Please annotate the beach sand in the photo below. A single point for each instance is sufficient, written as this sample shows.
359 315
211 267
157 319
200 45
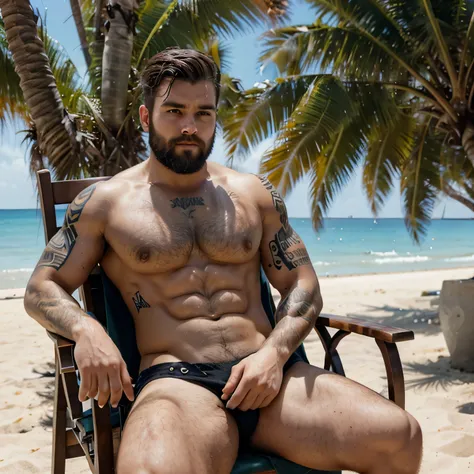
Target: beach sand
441 398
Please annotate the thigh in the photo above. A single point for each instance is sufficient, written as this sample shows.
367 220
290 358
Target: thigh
177 426
326 421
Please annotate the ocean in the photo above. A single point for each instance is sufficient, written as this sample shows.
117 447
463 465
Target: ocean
343 247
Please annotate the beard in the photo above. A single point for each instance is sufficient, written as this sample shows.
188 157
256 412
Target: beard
184 162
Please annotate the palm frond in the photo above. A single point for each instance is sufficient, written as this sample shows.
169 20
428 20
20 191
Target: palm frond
310 128
193 20
333 168
261 111
341 49
388 147
420 182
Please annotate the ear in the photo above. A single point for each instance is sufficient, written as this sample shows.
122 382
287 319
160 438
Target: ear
144 117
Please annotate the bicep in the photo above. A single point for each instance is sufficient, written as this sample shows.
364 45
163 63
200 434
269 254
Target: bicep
76 248
69 258
284 255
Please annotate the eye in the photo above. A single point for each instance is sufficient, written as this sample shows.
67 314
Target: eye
206 114
173 111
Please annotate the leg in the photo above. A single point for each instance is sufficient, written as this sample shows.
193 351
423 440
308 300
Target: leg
331 422
177 426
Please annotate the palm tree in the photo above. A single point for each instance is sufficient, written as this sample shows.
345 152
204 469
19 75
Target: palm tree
383 84
87 127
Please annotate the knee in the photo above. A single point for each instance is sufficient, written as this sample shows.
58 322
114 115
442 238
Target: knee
406 447
410 435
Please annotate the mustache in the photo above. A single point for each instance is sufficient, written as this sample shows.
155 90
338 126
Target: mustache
187 139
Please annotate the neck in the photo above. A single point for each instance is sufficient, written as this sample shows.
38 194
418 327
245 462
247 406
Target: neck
159 174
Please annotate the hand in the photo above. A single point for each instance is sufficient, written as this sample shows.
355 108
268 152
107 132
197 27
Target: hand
254 382
102 368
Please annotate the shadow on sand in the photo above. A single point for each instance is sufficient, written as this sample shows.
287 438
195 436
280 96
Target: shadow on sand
47 395
414 319
438 375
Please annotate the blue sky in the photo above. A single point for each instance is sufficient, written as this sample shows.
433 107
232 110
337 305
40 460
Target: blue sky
17 190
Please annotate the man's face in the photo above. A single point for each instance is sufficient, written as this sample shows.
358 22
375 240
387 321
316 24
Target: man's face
182 127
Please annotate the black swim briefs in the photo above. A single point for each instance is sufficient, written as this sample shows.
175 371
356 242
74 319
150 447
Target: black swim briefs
212 376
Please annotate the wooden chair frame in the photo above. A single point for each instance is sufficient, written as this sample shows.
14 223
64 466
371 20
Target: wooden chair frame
70 439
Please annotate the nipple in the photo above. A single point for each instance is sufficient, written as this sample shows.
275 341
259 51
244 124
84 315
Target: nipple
143 254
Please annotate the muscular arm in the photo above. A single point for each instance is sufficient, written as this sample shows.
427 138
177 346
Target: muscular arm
64 265
289 269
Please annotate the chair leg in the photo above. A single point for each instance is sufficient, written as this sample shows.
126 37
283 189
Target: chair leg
103 442
58 464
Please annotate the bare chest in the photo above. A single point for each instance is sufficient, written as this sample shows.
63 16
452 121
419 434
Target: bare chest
166 233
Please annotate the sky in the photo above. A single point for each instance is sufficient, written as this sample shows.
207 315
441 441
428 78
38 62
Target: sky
17 190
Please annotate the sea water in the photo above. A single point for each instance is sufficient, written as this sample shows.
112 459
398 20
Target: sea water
342 247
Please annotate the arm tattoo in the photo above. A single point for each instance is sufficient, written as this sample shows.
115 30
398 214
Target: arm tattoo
285 237
296 304
187 204
139 301
60 246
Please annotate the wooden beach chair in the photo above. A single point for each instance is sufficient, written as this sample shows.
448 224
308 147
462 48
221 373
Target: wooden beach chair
95 433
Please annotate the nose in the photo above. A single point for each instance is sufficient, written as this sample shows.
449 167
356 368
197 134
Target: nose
189 127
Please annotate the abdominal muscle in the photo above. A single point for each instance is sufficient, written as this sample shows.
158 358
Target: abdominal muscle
199 313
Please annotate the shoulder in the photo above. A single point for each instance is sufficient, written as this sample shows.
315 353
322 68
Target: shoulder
94 203
255 186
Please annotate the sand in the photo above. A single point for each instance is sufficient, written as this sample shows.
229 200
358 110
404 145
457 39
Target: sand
441 398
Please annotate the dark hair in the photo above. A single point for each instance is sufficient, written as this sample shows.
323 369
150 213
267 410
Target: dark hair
177 63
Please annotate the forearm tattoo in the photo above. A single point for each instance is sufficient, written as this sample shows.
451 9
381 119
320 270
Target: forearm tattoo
139 301
187 204
285 237
297 304
60 246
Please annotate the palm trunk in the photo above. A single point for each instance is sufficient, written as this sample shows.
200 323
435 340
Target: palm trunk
452 193
56 137
116 63
81 31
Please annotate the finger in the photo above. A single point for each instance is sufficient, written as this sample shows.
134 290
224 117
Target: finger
268 399
249 400
233 381
94 386
238 395
84 386
127 382
258 401
115 385
104 389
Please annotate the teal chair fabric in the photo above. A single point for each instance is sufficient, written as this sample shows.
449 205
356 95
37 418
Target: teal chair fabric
121 328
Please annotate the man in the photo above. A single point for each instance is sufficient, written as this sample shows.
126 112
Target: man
183 240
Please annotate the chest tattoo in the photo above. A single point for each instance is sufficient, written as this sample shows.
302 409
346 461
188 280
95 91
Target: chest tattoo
187 204
139 301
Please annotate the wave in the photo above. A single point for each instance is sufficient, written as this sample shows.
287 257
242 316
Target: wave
323 264
382 254
18 270
466 258
416 258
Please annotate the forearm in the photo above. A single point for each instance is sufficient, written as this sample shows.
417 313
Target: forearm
57 311
295 316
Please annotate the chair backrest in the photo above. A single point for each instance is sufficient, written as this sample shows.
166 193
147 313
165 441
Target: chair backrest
99 295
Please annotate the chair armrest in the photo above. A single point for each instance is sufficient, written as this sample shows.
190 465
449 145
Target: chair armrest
365 328
65 351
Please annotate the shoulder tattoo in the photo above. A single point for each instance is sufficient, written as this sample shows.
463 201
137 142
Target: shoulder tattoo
285 237
60 246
